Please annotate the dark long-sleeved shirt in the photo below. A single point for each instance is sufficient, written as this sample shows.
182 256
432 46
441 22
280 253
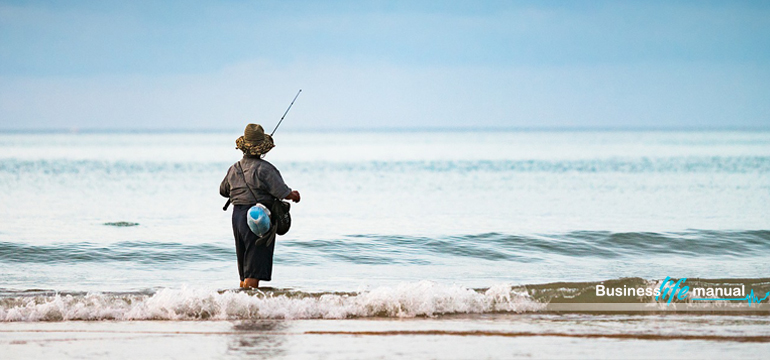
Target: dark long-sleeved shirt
263 178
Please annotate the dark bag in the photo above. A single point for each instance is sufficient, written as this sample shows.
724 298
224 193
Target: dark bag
280 216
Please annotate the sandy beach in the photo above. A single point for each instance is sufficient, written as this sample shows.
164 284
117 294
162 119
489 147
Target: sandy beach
528 336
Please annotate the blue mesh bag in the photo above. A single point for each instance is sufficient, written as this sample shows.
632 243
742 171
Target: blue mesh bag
258 219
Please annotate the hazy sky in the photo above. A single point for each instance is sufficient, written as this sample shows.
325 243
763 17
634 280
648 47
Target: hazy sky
384 64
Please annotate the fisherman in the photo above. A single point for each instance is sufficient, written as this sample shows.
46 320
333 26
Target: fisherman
263 181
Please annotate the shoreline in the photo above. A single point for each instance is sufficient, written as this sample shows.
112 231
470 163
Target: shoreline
452 337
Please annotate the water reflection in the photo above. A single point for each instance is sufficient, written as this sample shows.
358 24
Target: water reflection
261 339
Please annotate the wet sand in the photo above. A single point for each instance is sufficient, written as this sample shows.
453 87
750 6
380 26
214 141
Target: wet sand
531 336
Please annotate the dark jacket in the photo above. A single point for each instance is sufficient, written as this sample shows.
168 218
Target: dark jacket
265 181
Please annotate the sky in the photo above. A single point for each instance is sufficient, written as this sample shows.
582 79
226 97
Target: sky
217 65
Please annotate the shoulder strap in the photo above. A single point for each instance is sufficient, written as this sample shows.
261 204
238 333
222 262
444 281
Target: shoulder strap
266 238
243 176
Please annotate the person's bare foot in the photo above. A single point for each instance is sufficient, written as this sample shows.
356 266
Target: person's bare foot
251 283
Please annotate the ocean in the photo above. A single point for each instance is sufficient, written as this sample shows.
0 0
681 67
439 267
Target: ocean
453 244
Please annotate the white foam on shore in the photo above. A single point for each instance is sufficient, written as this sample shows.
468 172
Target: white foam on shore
406 300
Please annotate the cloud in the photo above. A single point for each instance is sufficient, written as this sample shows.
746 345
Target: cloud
203 65
380 95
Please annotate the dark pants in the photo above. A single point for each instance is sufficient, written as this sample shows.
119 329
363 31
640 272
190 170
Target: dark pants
254 261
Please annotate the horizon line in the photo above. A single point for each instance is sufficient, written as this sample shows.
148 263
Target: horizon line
76 130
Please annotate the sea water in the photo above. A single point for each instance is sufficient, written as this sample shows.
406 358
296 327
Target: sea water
129 226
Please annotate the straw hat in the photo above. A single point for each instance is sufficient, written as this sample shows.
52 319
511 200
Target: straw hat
254 141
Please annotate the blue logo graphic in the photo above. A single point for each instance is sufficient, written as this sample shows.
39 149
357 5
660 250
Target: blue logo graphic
669 292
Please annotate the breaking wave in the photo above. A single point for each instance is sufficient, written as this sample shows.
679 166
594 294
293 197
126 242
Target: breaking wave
404 301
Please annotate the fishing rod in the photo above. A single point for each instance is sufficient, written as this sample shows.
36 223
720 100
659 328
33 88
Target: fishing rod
227 204
287 111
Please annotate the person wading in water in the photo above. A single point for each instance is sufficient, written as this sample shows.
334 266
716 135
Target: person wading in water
248 178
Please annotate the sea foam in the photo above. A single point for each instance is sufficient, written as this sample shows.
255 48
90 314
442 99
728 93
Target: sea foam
406 300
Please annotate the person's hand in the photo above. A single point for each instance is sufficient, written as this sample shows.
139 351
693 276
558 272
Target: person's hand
293 196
